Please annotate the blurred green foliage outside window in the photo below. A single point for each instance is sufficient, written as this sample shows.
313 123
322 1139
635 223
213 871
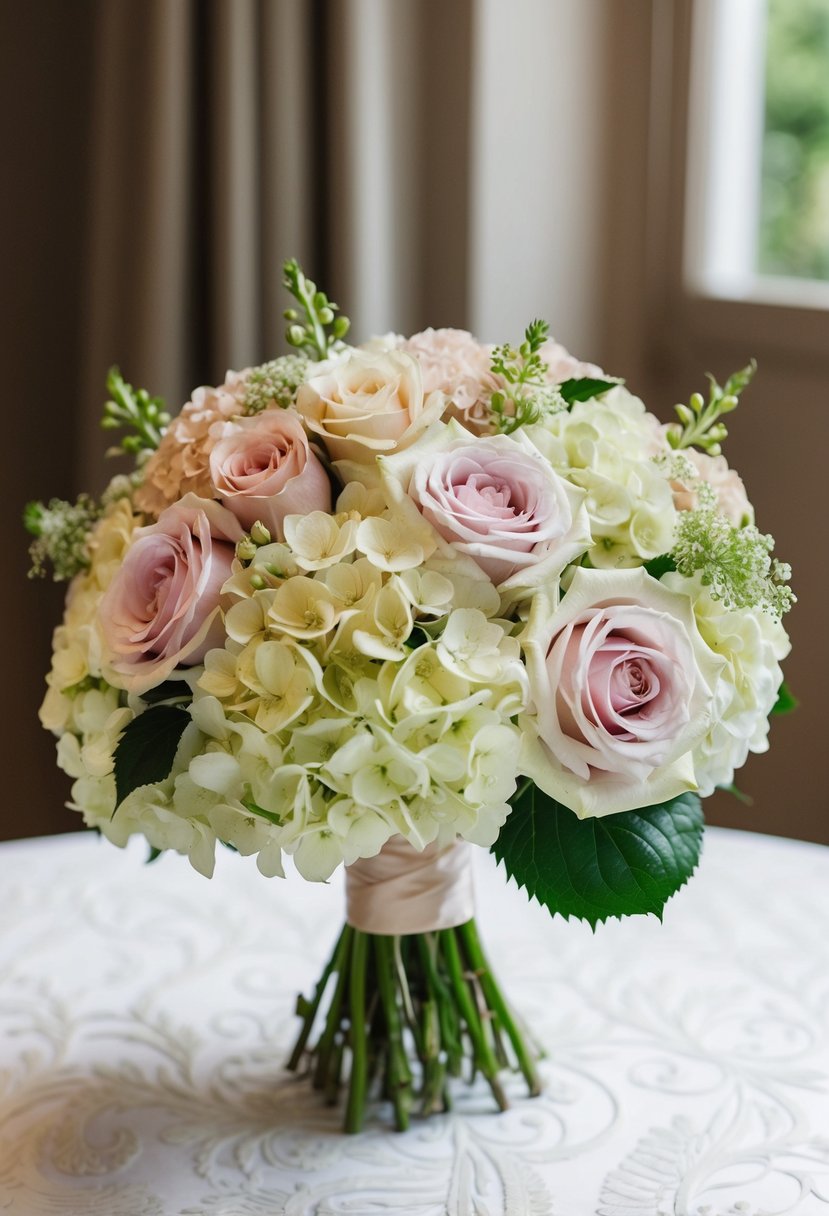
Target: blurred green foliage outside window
794 219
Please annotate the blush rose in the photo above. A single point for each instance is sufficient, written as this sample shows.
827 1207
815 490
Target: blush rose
452 361
161 610
496 500
622 687
265 470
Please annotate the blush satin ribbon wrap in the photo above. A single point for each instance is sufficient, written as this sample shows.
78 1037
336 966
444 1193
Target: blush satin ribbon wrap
403 891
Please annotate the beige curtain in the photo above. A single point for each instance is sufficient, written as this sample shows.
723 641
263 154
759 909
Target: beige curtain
228 135
173 154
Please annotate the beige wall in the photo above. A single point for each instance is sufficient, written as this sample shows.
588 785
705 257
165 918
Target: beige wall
664 338
539 178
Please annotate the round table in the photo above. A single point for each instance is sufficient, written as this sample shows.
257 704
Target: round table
145 1015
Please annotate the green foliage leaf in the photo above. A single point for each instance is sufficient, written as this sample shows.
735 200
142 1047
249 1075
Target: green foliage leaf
152 855
418 637
169 690
594 869
147 748
583 388
786 700
657 566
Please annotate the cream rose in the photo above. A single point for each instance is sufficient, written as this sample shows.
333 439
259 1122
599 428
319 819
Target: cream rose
370 403
265 470
162 608
495 500
622 688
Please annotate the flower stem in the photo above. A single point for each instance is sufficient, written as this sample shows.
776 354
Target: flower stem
308 1009
355 1109
399 1076
332 1022
469 936
484 1057
409 1010
447 1013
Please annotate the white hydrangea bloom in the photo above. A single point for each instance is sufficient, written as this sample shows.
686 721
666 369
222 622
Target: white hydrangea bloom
606 446
753 643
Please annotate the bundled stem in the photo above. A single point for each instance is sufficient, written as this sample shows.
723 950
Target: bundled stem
405 1012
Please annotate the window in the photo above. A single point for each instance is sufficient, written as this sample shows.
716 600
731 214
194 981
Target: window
758 176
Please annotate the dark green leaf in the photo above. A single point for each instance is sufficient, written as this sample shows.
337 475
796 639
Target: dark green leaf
147 748
786 701
418 637
657 566
594 869
583 388
153 855
170 690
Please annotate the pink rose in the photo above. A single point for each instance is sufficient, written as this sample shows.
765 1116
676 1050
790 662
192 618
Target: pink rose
266 470
622 687
453 362
162 608
561 365
497 501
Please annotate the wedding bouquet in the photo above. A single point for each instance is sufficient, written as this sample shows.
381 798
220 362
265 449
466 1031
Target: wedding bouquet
368 606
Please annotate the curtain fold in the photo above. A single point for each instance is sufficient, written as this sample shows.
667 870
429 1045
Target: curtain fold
174 153
138 239
228 135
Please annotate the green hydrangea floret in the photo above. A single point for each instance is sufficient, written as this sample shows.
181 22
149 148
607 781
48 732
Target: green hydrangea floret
275 383
735 564
61 530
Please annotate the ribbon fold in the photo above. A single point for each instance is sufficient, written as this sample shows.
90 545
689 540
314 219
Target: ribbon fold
404 891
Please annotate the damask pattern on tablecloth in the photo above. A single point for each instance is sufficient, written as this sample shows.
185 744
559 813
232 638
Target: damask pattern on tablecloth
145 1015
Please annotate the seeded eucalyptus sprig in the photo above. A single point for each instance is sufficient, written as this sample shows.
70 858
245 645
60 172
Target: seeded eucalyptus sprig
527 394
699 423
134 408
315 330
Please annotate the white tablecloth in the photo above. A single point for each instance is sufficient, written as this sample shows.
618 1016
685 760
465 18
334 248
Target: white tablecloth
145 1014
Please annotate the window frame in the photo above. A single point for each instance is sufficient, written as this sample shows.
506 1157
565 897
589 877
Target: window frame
674 311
